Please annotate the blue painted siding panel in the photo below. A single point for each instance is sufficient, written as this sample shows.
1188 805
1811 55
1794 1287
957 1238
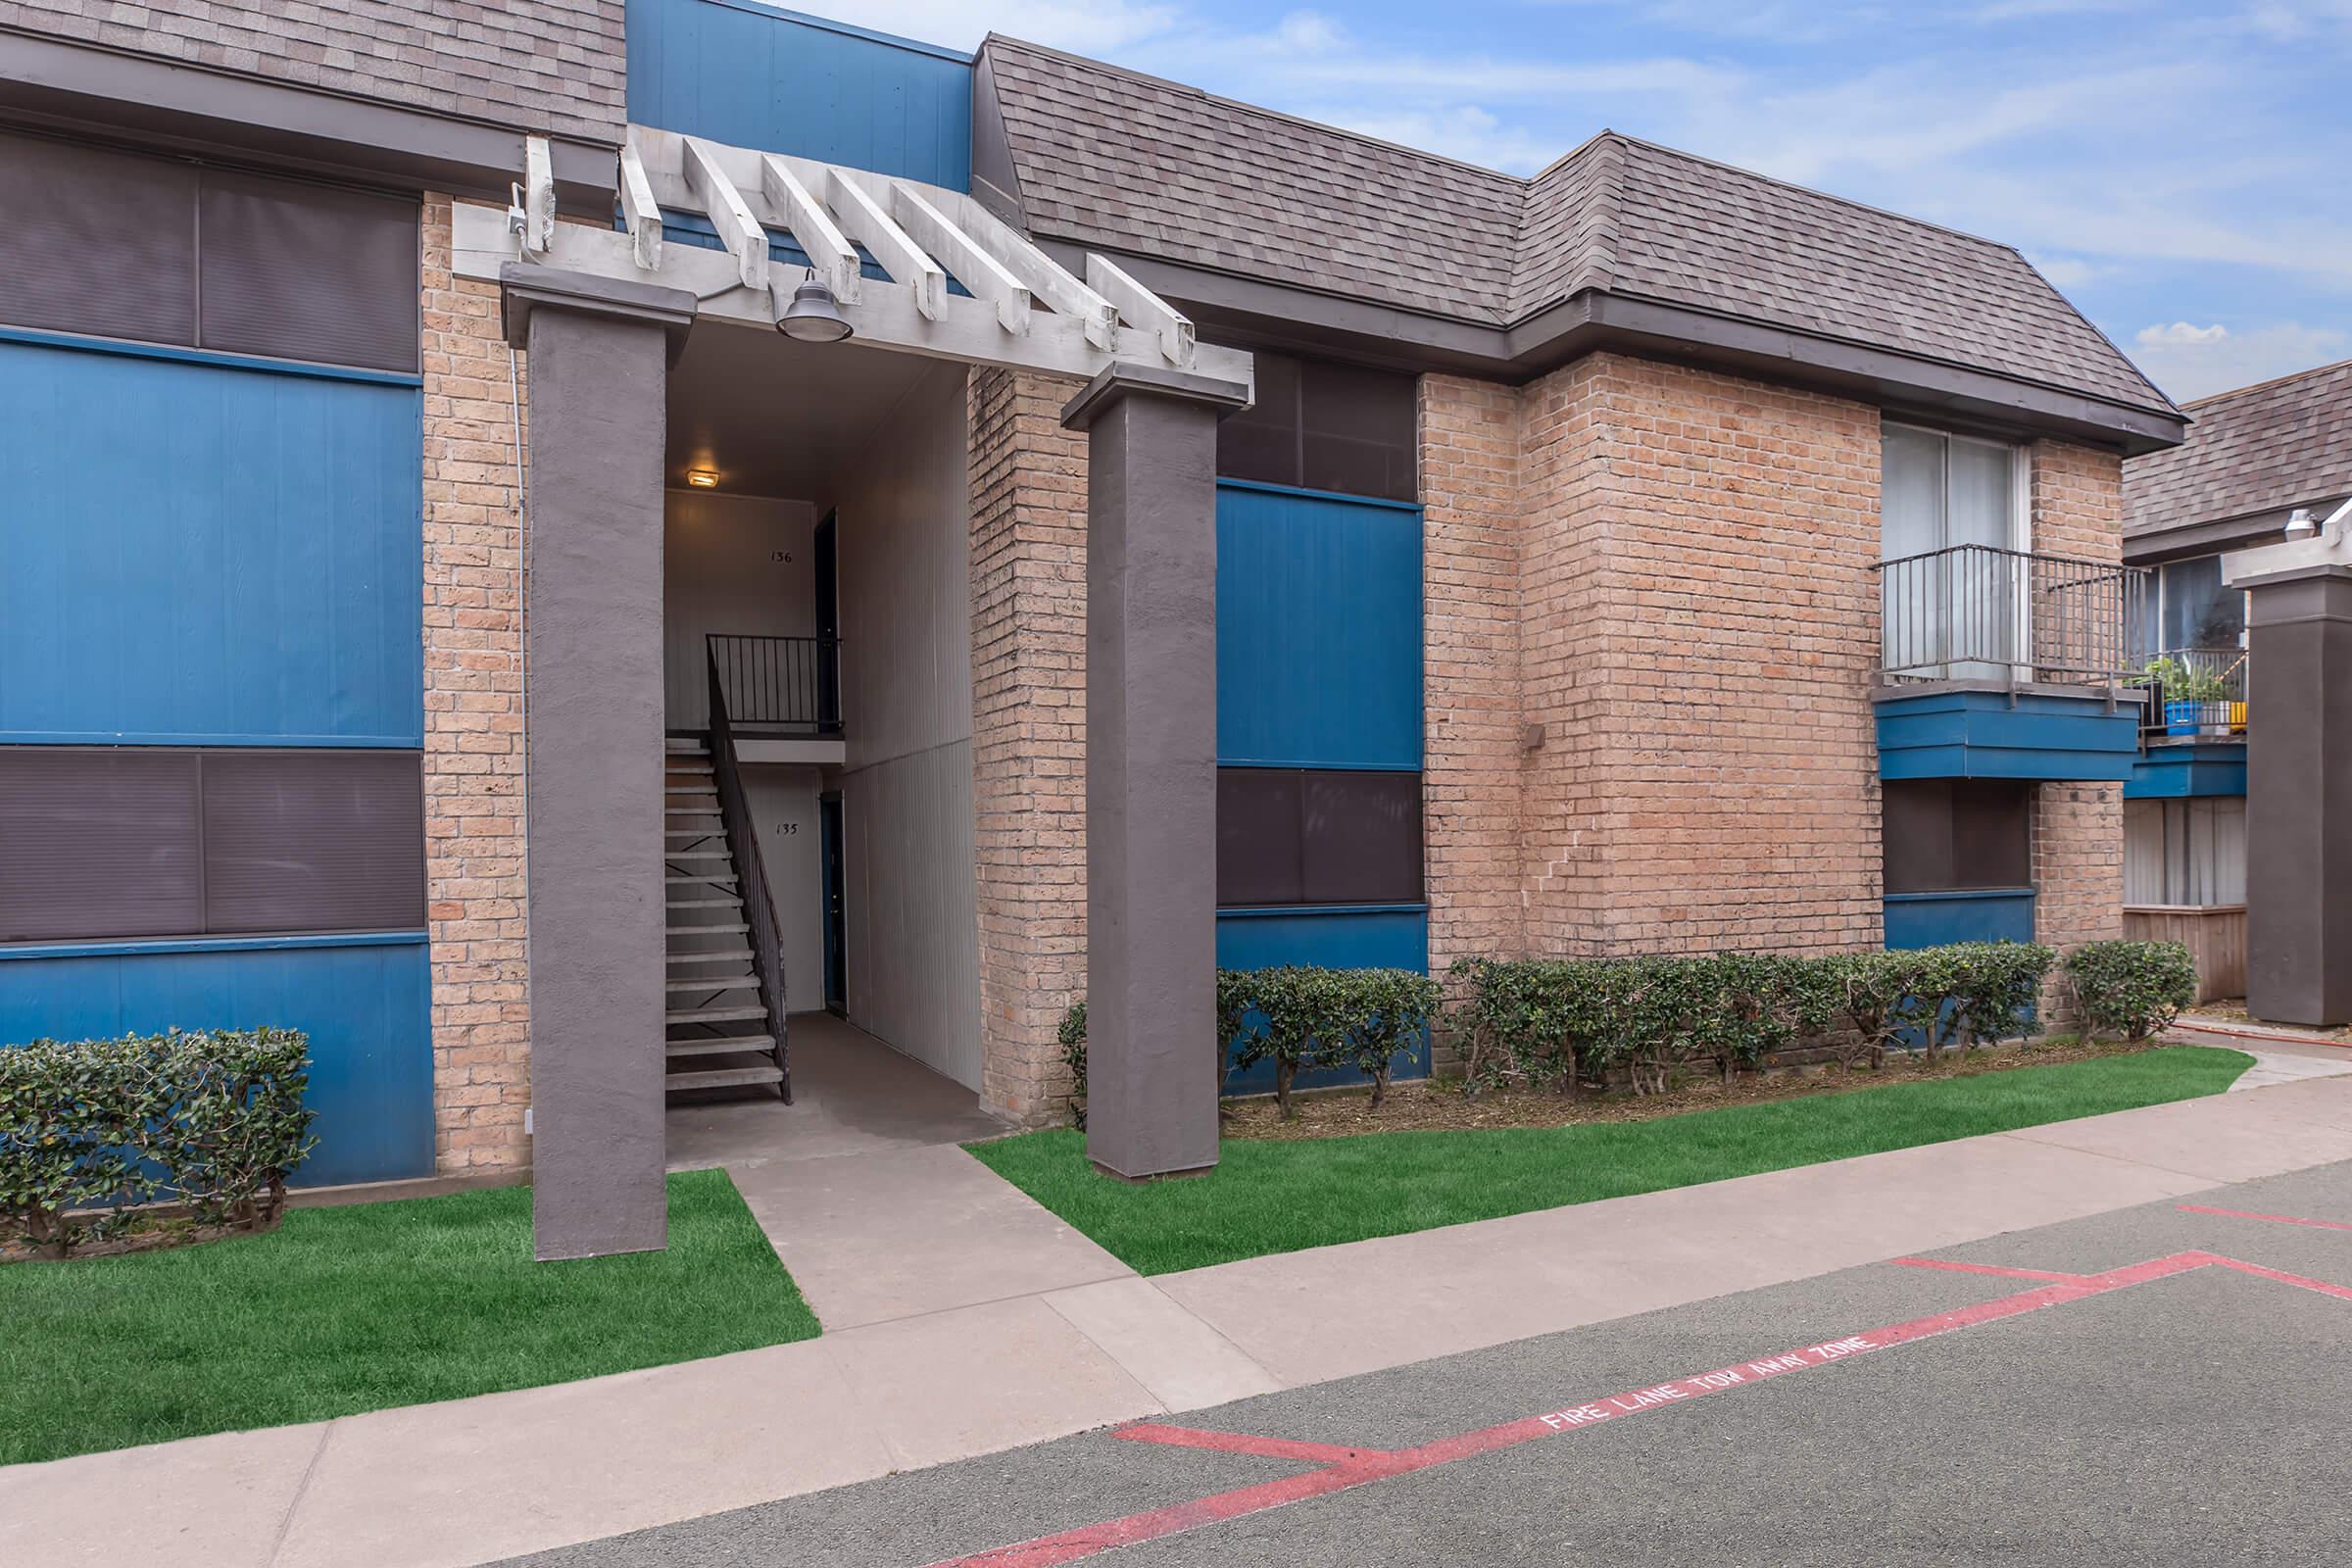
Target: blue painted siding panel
364 1005
1349 939
751 75
200 553
1984 735
1318 630
1932 919
2194 769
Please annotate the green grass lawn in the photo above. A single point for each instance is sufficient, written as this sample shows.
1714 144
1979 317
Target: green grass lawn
347 1309
1277 1197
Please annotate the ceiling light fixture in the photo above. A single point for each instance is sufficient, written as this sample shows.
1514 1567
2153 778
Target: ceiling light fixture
702 478
813 315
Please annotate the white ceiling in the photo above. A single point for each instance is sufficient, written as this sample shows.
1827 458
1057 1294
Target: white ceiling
774 417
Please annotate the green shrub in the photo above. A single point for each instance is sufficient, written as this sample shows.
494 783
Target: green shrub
2131 989
213 1120
1072 1035
1299 1019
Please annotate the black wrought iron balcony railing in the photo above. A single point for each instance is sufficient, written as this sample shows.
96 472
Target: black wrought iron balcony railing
2194 693
1978 613
779 686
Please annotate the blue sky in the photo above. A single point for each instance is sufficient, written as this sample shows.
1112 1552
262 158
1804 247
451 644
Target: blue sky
2182 171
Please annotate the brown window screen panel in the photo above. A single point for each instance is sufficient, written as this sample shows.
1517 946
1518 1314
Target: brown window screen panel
98 844
1257 837
303 271
1948 835
1262 442
1356 431
1293 836
312 841
97 242
1361 838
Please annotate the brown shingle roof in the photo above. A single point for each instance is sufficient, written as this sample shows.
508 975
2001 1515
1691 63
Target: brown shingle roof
1107 157
2281 444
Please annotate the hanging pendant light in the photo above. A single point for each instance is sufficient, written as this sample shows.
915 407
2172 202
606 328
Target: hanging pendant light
813 315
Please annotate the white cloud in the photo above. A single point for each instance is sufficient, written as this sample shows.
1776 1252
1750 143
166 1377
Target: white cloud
2069 271
1310 33
2190 360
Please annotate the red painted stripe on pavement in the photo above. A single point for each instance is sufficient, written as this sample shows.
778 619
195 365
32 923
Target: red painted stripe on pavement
2275 1219
1373 1464
2341 1293
1241 1443
1982 1268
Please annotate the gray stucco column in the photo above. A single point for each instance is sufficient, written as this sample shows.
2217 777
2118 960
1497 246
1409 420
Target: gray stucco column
1152 766
2298 793
599 363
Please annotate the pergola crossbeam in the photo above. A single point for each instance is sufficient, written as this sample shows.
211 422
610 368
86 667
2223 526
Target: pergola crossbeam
1017 306
738 229
830 253
538 195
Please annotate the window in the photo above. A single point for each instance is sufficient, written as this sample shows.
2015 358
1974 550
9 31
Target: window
1951 520
2194 608
1309 836
111 843
1321 425
2185 853
168 251
1950 835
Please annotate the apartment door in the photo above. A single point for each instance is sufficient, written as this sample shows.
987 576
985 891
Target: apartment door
837 984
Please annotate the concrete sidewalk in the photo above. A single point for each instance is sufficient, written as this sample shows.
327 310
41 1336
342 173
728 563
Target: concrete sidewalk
962 1320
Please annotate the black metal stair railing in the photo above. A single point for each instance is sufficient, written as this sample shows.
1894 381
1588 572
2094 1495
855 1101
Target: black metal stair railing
751 878
779 685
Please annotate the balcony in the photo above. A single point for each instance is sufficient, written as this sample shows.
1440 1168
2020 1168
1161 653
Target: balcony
779 688
2005 663
2193 727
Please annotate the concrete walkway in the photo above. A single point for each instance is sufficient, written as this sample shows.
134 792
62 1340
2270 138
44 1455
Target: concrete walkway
962 1320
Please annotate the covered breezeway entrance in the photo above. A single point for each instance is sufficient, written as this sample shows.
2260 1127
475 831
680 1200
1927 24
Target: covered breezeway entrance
657 370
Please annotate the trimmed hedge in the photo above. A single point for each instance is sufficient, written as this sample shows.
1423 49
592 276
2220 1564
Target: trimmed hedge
89 1129
2131 989
1563 1023
1299 1019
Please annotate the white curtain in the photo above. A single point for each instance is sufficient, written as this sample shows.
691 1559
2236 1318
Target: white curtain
1955 616
2190 851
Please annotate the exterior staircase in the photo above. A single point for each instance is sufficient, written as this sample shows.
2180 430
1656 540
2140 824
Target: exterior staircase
718 1034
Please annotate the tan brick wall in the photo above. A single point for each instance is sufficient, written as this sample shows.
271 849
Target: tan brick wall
1470 457
1028 584
2077 511
472 721
1698 638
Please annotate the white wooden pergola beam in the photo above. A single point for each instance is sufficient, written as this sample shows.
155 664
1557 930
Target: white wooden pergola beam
1143 309
538 196
1039 273
973 265
639 211
863 221
830 253
720 199
888 315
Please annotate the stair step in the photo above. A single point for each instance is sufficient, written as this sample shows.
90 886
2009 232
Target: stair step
717 1015
715 983
725 1077
715 956
677 1050
696 855
721 929
684 746
727 881
703 904
690 789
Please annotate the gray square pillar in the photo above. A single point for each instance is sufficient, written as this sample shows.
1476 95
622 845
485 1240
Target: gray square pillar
2299 795
1152 766
599 363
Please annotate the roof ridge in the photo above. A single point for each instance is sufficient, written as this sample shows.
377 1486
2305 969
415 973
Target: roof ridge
2264 386
1259 110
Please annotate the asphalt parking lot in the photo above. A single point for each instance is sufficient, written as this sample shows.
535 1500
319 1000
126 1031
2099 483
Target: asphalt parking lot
2165 1385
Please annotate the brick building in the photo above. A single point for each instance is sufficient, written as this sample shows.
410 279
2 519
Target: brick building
1219 540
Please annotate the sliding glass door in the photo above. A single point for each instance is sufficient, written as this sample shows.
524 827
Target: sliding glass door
1952 590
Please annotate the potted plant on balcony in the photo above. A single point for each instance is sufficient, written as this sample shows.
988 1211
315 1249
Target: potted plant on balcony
2186 694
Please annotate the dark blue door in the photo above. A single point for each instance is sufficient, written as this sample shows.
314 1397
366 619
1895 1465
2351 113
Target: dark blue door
828 833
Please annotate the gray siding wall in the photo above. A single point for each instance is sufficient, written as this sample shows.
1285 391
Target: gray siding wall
552 65
912 889
718 574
